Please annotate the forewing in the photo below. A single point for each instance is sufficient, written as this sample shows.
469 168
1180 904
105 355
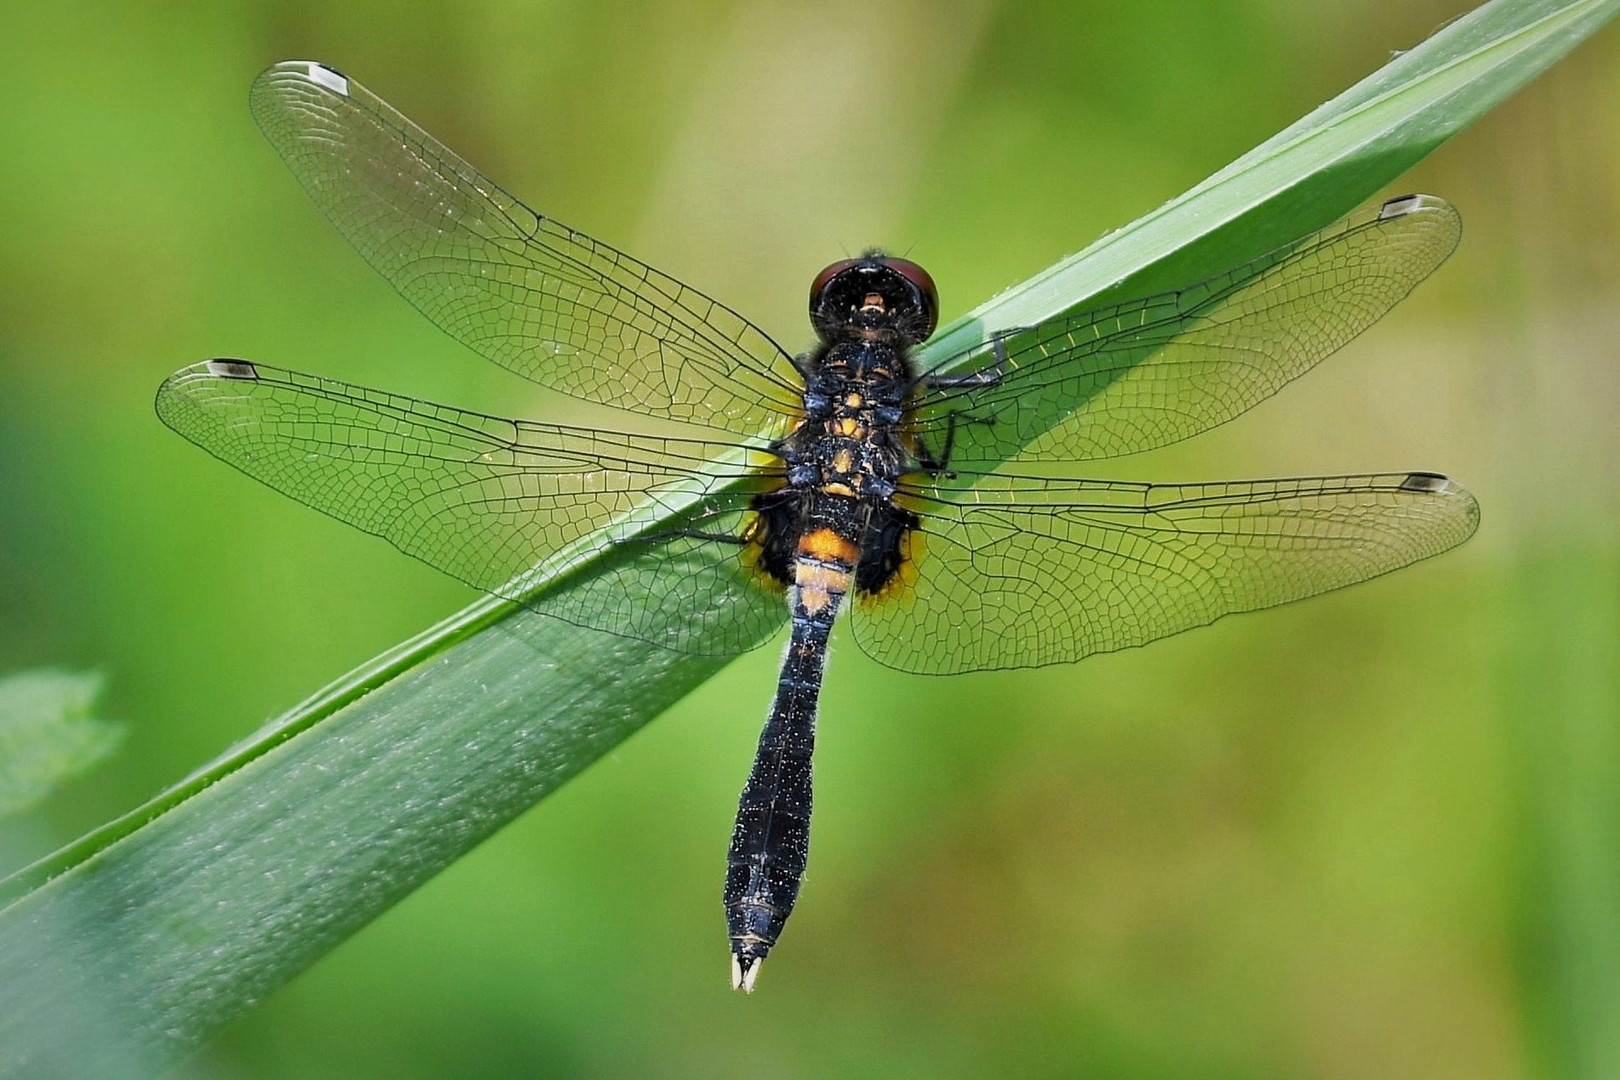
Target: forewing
1145 374
532 295
484 499
1041 572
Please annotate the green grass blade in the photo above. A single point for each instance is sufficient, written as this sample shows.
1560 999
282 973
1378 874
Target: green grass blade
186 912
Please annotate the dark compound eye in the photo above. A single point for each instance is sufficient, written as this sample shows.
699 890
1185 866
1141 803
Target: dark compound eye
923 282
914 275
827 275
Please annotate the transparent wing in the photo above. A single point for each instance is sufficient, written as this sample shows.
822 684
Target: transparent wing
1145 374
1041 572
485 499
682 591
534 296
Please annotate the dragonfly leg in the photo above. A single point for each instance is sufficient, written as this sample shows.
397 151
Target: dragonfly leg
990 376
936 465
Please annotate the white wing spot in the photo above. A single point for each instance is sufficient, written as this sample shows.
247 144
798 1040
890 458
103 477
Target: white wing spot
1402 206
1429 482
325 76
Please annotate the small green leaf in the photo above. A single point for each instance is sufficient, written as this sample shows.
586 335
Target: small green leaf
48 735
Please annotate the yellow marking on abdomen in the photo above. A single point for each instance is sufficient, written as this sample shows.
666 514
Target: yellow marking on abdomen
839 489
843 462
849 428
817 583
828 546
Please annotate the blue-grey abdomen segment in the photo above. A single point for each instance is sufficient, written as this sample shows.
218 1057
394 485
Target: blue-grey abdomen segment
771 841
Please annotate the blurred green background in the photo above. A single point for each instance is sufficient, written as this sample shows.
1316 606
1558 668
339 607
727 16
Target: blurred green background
1372 835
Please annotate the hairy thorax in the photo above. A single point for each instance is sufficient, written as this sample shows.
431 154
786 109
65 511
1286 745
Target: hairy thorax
850 444
844 463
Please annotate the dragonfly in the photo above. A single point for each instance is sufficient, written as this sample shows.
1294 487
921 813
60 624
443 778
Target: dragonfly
849 480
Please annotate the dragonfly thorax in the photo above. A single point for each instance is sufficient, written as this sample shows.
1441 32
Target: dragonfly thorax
854 404
858 377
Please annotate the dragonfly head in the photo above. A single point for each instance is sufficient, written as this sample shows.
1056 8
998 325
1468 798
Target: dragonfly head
874 296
